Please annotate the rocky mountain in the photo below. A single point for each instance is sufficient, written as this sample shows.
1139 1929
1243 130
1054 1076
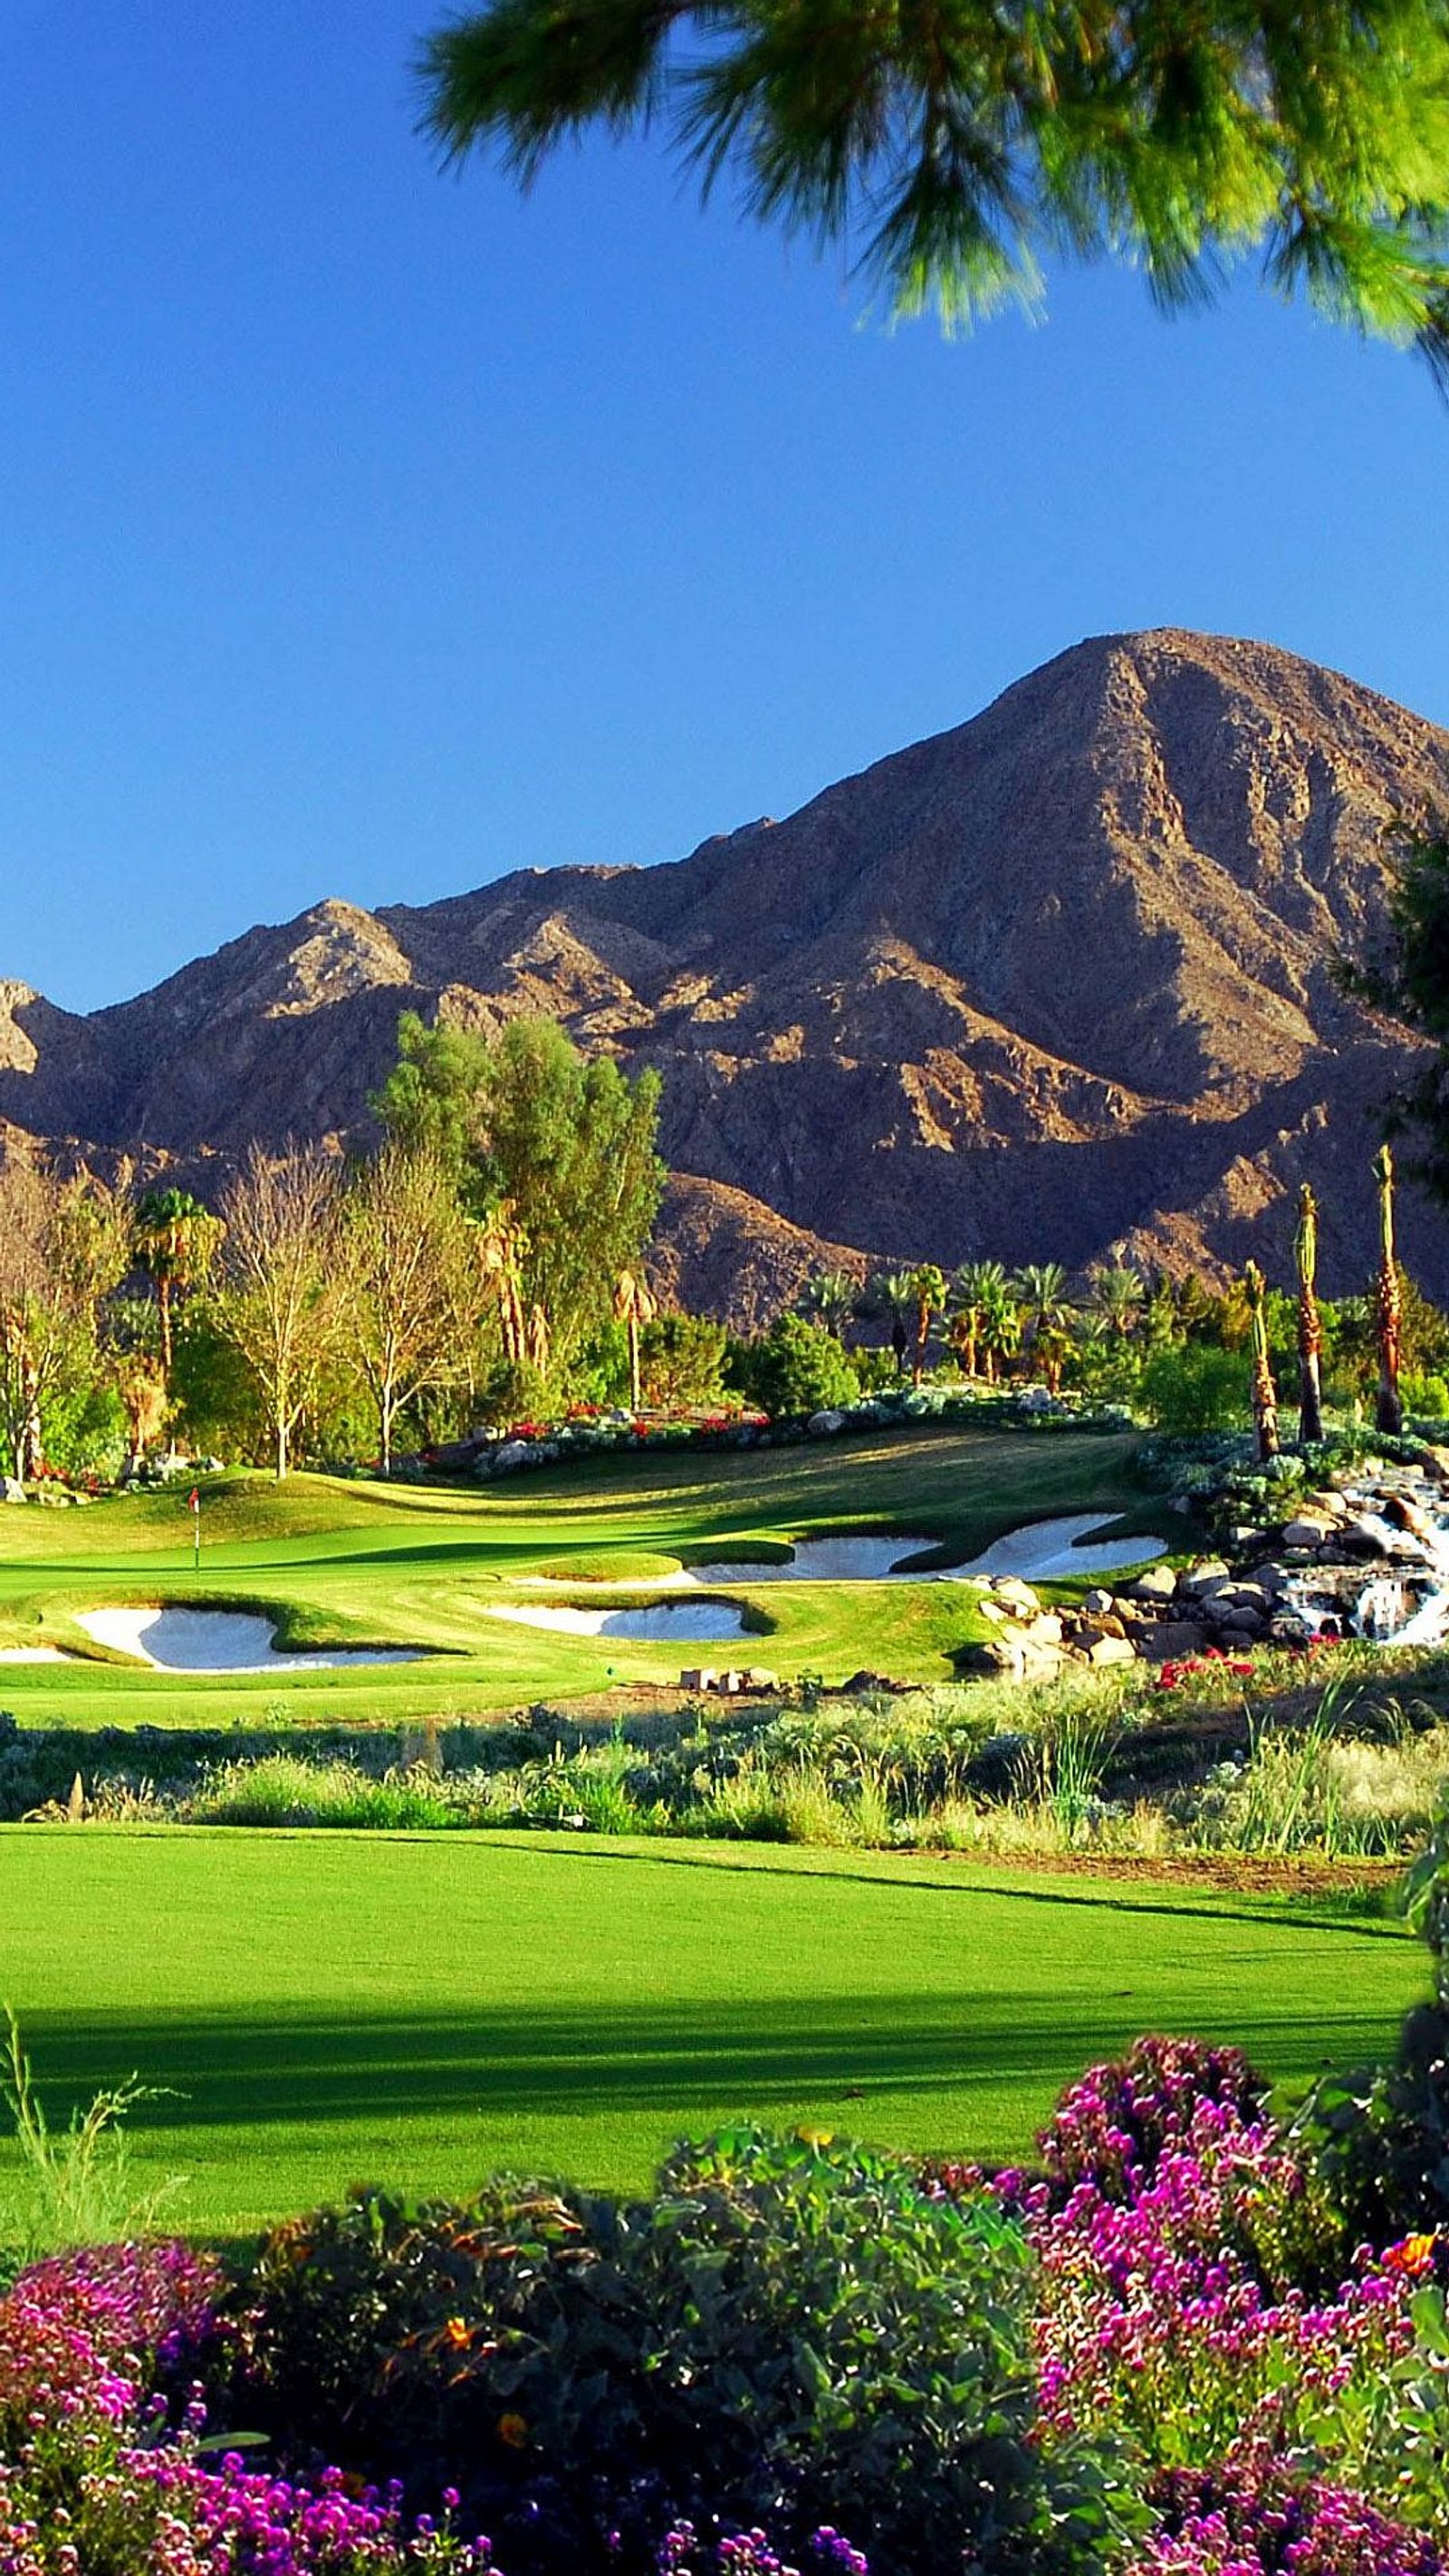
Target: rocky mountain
1054 984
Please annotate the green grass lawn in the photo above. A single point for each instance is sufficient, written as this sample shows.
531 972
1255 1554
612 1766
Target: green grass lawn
425 2009
351 1562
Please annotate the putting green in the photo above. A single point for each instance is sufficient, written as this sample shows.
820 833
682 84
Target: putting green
332 2008
342 1563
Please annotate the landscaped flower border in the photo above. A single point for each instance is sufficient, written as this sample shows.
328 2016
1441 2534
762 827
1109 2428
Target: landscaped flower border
1242 2390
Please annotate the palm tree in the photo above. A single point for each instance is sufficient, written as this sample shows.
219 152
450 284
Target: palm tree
633 1306
174 1239
1388 1299
1118 1294
928 1297
829 1297
502 1245
1000 1327
897 1288
1265 1396
1310 1330
973 1287
1040 1289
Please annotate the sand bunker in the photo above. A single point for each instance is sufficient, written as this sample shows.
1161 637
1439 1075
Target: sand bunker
825 1560
34 1655
220 1641
811 1560
1041 1549
1045 1551
700 1623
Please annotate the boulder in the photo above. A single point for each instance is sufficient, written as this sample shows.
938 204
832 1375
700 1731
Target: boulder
1208 1569
1018 1595
1096 1601
1111 1650
1159 1583
11 1490
1169 1641
1309 1529
824 1425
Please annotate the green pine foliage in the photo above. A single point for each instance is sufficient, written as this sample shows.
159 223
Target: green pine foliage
958 146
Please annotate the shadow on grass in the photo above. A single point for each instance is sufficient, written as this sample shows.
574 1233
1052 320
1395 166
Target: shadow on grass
242 2068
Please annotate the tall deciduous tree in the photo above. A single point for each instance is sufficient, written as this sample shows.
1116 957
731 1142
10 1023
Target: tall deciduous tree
277 1297
956 142
564 1142
406 1273
64 1245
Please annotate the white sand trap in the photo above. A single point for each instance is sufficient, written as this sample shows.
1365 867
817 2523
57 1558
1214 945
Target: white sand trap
700 1623
219 1641
811 1560
825 1560
34 1655
1041 1551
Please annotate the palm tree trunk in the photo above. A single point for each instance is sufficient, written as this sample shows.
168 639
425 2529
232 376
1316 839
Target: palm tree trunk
634 1390
1389 1414
1310 1330
163 1308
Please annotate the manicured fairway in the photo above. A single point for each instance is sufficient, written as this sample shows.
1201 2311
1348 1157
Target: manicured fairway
421 2009
346 1562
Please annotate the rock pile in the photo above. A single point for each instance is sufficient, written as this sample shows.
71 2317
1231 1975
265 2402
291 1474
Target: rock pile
1366 1556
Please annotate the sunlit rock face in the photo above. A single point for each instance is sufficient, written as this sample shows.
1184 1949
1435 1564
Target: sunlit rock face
1054 984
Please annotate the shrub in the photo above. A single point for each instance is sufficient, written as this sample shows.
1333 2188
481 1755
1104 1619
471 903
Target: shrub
789 2335
1194 1388
799 1368
829 2340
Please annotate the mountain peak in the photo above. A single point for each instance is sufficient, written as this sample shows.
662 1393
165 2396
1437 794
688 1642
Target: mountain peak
1051 982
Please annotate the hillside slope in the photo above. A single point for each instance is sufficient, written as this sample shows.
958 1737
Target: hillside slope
1052 984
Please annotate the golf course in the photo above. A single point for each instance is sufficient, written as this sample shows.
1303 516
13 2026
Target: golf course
319 2008
343 1564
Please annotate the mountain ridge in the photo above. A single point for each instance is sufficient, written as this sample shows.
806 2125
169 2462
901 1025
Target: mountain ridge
1054 983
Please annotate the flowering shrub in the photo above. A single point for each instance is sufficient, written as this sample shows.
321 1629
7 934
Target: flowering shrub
1159 2355
1184 2246
789 2330
95 2480
750 2553
1113 2126
1274 2526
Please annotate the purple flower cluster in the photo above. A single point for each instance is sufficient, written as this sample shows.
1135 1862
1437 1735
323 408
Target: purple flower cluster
1152 2310
93 2476
1168 2319
750 2553
1112 2126
1211 2527
83 2334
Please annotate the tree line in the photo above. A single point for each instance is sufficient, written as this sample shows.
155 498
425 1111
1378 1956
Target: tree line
495 1229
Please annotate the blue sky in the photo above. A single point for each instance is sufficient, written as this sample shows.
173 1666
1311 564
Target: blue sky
368 531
